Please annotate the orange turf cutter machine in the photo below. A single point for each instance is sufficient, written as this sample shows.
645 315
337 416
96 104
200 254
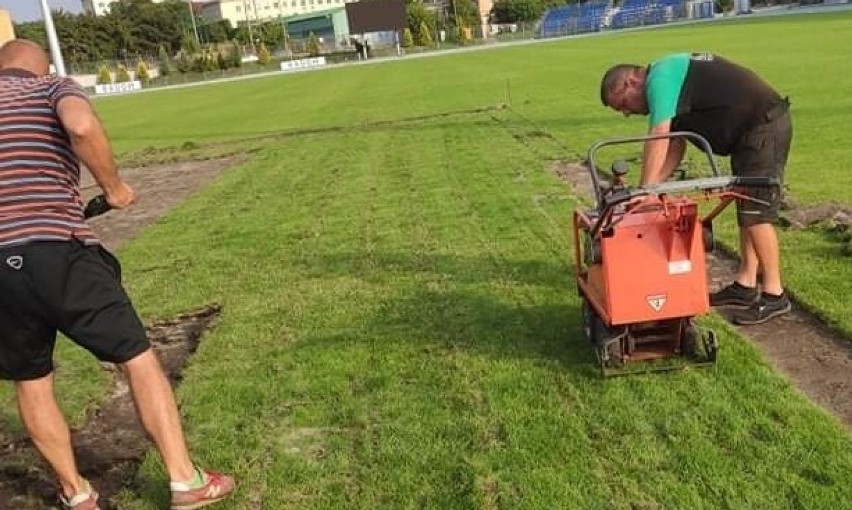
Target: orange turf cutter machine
641 270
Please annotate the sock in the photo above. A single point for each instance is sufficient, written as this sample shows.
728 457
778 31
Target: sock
773 297
196 482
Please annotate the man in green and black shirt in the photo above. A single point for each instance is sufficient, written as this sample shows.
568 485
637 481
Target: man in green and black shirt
741 116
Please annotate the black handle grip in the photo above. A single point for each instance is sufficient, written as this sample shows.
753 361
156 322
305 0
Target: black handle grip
748 181
96 207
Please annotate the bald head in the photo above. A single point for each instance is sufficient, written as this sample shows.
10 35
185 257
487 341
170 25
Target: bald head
26 55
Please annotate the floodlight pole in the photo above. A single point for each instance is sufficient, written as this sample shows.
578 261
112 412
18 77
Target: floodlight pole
194 26
50 29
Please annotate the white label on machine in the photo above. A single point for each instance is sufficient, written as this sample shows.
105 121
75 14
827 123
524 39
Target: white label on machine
680 266
657 302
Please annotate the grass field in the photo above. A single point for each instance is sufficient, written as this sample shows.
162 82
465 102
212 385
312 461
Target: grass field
400 329
556 86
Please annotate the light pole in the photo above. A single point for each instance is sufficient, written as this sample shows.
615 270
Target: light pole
194 26
248 22
55 50
456 17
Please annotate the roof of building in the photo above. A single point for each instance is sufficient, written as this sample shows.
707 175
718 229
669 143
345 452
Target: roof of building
312 15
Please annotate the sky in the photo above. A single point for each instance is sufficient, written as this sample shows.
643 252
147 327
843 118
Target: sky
29 10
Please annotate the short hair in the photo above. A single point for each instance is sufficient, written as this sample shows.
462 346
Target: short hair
25 54
613 78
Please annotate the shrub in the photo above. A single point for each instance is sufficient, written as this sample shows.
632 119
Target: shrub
313 45
407 38
263 56
164 61
424 36
142 72
184 63
122 76
104 76
235 55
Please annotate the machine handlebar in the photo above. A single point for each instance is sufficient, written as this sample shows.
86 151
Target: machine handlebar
704 184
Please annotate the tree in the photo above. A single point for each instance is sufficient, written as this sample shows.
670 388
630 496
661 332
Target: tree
313 45
217 31
464 36
271 33
142 72
263 55
184 62
424 35
164 61
417 15
513 11
407 38
189 44
209 62
222 60
104 76
464 13
236 55
122 76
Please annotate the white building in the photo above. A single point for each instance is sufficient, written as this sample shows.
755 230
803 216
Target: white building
240 12
101 7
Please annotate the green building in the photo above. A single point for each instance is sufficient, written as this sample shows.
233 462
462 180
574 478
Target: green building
330 25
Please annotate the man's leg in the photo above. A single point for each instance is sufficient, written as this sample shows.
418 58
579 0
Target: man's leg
48 429
772 300
155 404
749 261
764 245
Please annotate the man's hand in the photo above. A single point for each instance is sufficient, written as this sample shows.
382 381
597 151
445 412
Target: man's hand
640 202
121 196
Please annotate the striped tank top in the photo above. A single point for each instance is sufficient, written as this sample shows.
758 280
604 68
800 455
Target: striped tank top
39 173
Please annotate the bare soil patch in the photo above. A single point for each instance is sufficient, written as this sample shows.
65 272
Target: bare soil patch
832 219
110 445
158 189
814 357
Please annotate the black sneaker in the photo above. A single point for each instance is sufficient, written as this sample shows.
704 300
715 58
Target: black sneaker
734 294
767 307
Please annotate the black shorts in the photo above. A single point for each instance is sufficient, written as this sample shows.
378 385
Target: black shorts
762 152
63 286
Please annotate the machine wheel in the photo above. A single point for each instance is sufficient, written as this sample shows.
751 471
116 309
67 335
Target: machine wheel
591 250
711 346
609 352
689 340
590 321
606 342
709 239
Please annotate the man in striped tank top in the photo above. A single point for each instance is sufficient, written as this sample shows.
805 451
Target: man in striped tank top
55 276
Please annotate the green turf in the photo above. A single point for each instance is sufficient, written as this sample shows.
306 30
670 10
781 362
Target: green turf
554 86
400 329
402 332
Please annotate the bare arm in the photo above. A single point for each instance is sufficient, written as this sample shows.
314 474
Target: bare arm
677 147
655 158
91 145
